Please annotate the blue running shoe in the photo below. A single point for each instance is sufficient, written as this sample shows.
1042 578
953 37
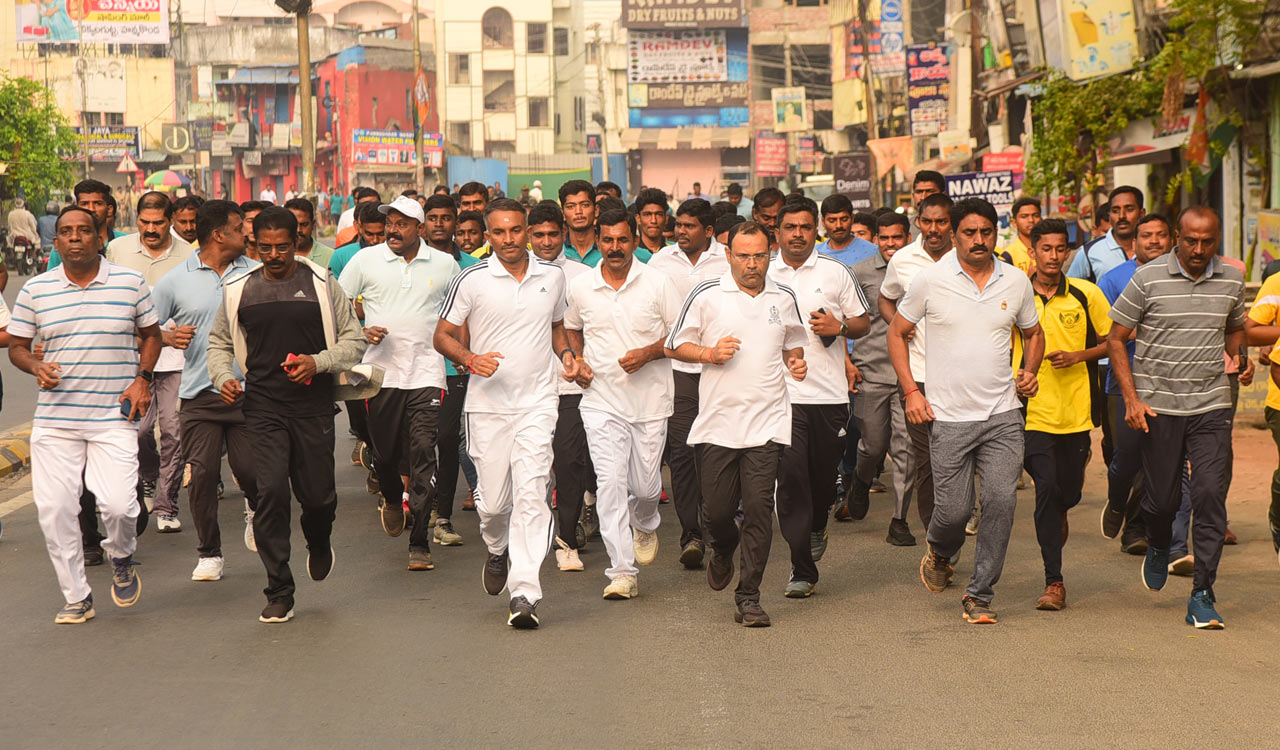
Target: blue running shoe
1155 568
1201 612
126 586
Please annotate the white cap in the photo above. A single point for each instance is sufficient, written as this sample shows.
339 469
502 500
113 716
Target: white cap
537 183
404 205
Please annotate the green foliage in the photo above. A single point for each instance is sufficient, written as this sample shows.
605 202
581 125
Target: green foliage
36 143
1074 122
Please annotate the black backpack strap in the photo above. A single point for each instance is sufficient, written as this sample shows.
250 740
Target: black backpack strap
1097 400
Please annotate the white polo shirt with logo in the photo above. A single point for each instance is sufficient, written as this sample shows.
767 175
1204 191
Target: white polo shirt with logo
742 403
128 251
673 262
821 282
971 343
613 322
404 298
572 270
514 319
903 268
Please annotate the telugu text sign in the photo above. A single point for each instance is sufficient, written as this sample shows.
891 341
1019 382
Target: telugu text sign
676 95
771 155
682 14
677 56
928 88
92 21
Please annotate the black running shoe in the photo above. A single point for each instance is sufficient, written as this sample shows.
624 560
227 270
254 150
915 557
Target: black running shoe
495 574
524 616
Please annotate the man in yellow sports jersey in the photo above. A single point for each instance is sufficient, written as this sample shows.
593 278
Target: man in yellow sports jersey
1262 328
1073 315
1025 215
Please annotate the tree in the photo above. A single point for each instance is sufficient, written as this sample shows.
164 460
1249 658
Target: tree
37 146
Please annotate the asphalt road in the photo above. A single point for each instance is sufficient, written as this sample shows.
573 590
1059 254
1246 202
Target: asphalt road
381 657
19 388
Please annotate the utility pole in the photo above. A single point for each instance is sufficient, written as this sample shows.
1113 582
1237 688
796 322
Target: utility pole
868 81
417 109
304 101
791 136
84 116
603 117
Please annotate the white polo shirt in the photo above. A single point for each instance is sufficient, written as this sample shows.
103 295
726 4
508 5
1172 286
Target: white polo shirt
638 314
129 252
821 282
903 268
514 319
405 299
572 270
970 345
673 262
742 403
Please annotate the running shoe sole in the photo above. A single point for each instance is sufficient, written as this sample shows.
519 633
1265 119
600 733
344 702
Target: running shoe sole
288 616
76 619
1210 625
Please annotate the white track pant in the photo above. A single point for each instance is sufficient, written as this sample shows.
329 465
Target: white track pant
108 461
512 453
628 461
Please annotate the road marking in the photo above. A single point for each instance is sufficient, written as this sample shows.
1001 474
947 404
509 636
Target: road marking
17 503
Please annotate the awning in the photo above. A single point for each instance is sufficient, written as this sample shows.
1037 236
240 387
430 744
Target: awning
682 139
281 74
1261 70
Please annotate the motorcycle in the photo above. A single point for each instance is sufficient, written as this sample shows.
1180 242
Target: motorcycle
24 253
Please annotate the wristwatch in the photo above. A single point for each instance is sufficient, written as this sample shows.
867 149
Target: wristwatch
147 375
844 329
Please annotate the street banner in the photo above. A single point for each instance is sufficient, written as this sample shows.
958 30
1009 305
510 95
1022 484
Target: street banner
1010 160
391 148
1101 37
789 113
99 85
928 88
771 155
996 188
681 95
110 142
92 21
683 14
677 56
892 59
851 175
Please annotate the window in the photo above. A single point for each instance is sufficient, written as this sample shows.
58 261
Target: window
496 29
103 118
499 91
579 113
460 69
537 44
557 123
538 112
561 41
460 135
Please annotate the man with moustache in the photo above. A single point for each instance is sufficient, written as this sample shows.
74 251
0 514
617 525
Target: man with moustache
618 316
81 436
934 243
190 295
184 217
251 210
1177 392
371 229
316 252
154 252
1073 316
881 422
972 301
836 312
837 222
764 210
747 329
513 308
470 234
695 258
402 283
290 329
1122 513
570 457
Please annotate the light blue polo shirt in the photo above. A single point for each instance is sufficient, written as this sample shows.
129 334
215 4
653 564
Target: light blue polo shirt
856 251
190 295
1102 255
405 298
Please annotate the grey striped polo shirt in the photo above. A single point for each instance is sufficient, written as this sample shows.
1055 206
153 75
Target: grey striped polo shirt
1181 327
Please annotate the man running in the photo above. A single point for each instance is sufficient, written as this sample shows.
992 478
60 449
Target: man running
191 295
290 329
696 257
95 379
402 284
513 307
618 316
836 312
747 329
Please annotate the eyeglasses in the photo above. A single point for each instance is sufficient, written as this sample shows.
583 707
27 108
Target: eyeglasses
759 258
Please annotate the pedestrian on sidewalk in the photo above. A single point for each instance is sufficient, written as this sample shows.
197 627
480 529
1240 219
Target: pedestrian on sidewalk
100 333
290 329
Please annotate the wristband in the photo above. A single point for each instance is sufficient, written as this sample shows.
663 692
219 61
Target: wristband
711 355
908 393
562 351
580 359
469 361
844 329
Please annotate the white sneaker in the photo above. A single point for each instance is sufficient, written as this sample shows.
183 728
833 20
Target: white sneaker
249 542
168 524
645 544
566 557
208 569
621 587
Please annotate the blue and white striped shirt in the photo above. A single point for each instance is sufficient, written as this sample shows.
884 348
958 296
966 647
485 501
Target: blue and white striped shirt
92 332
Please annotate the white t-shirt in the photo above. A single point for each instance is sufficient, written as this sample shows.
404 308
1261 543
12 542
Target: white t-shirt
572 270
821 282
512 318
970 336
405 299
638 314
902 269
742 403
673 262
268 195
347 219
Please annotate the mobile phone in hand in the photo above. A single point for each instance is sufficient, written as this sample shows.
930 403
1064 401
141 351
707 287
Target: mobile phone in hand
126 408
826 340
